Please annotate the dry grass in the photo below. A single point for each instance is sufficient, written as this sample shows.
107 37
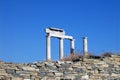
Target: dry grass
71 57
76 56
107 54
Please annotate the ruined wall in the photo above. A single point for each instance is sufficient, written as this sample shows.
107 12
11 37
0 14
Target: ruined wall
90 69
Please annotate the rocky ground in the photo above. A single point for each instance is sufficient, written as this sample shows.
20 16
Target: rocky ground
107 68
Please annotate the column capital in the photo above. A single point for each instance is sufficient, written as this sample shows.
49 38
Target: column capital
85 37
60 38
48 35
72 39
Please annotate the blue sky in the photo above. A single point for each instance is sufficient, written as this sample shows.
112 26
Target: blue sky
22 24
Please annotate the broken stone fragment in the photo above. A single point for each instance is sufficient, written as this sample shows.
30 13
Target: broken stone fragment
85 77
50 65
58 74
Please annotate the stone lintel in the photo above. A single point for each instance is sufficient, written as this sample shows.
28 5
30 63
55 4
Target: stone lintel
54 31
68 37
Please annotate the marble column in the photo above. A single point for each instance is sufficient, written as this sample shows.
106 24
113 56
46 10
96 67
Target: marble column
72 46
61 48
48 47
85 46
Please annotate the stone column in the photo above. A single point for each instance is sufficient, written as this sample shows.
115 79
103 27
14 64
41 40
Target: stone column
48 47
85 46
72 46
61 48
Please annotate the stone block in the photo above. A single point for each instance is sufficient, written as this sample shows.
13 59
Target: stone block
70 69
69 62
50 74
65 65
22 72
85 77
53 71
113 74
50 65
27 68
79 70
58 74
10 71
60 62
89 68
42 74
17 78
26 79
3 72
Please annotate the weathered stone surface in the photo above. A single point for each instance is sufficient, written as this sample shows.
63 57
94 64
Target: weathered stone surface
50 65
27 68
3 72
58 74
17 78
22 72
86 77
10 71
89 69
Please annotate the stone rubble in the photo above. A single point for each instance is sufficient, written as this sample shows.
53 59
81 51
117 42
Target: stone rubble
107 68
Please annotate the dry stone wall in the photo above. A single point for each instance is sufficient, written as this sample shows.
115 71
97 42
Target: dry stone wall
107 68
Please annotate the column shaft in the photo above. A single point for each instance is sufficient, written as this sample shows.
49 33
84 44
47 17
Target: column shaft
61 49
85 46
48 48
72 46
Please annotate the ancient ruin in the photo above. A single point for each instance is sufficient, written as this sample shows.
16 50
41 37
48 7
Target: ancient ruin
85 46
107 68
104 67
60 34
